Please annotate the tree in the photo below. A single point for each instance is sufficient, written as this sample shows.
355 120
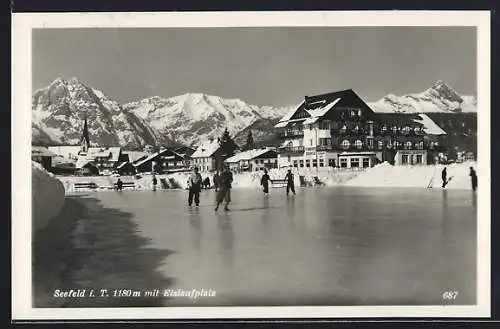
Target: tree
249 144
227 148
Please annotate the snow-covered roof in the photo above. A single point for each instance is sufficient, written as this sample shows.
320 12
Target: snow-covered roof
281 124
82 161
41 151
247 155
122 164
135 155
112 152
151 156
321 111
206 149
310 120
430 127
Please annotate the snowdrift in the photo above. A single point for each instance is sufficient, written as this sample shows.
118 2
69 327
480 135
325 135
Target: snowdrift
385 175
47 196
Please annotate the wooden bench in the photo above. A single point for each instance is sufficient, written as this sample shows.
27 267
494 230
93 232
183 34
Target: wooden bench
90 185
126 185
278 182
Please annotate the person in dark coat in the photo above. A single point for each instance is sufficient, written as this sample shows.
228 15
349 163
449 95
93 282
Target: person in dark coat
443 177
473 178
206 183
290 185
264 181
155 181
224 193
194 186
119 185
216 181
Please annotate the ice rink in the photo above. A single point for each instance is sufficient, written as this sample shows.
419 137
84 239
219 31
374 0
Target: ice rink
323 246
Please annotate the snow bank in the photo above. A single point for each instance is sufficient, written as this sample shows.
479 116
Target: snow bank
47 196
385 175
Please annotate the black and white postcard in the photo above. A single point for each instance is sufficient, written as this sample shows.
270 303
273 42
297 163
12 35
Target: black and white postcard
251 165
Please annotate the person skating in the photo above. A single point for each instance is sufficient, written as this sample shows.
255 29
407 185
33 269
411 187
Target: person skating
224 193
264 181
473 178
290 185
155 181
119 185
443 177
206 183
216 181
194 186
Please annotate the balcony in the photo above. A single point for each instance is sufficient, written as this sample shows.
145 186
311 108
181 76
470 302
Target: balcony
291 149
291 133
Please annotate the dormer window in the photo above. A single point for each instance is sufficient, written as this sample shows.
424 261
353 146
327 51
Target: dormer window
409 145
345 144
417 130
356 129
352 113
358 144
394 129
360 113
380 144
406 130
343 129
383 129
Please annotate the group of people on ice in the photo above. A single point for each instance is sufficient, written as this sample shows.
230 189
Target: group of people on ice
222 184
472 173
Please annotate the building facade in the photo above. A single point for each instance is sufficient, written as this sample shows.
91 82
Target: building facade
253 160
340 130
165 160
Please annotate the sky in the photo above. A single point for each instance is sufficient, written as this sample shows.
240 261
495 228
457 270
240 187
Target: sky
264 66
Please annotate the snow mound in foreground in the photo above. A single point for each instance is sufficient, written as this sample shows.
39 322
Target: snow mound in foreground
385 175
47 196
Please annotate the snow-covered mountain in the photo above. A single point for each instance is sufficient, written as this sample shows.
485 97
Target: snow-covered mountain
440 98
59 109
189 118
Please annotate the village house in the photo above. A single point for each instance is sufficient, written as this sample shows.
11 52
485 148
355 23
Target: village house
43 156
165 160
209 156
340 130
253 160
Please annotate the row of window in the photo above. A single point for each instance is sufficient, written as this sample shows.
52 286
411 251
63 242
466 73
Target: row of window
314 162
355 162
411 159
346 144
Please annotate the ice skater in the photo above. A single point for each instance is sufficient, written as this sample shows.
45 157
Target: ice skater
155 181
290 185
443 178
216 181
119 185
194 186
206 183
224 193
473 178
264 182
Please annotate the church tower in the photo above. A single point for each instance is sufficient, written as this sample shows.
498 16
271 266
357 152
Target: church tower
85 140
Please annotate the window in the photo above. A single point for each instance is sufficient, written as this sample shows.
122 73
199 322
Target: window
408 145
301 162
315 163
380 144
366 162
406 130
325 124
360 113
356 129
396 144
352 113
394 129
331 162
404 159
311 142
354 162
358 144
370 143
383 129
289 158
421 145
324 141
417 130
343 163
343 129
345 144
321 163
308 163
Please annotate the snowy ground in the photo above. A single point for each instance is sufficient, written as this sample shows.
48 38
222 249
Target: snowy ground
382 175
47 196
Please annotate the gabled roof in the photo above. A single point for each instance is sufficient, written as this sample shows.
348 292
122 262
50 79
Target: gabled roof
248 155
82 161
112 152
135 155
152 156
398 119
206 149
